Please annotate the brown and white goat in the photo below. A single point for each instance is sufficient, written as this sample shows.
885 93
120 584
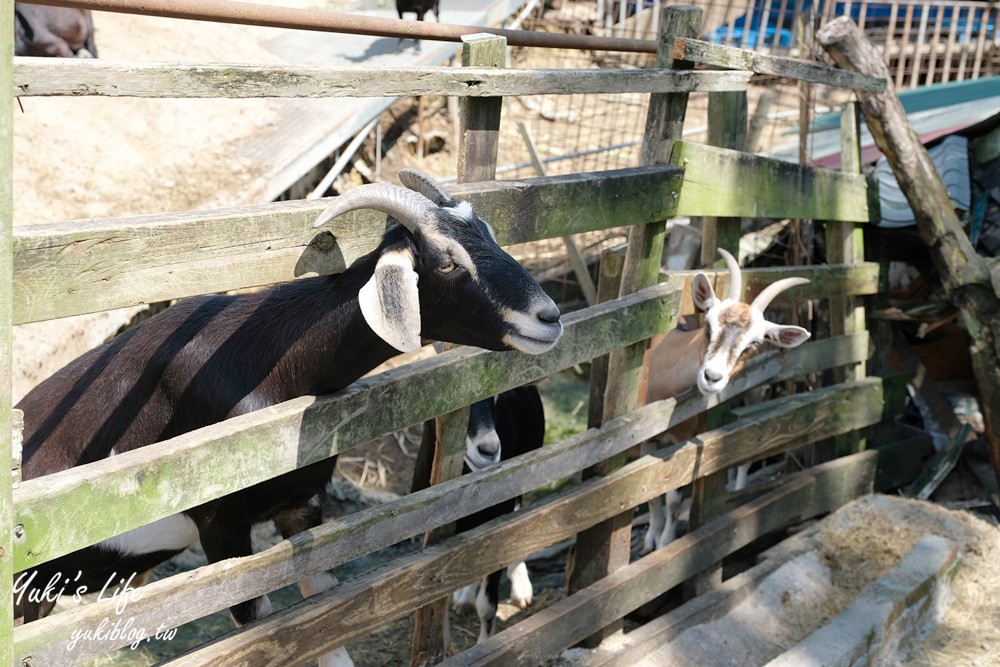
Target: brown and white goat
706 358
210 358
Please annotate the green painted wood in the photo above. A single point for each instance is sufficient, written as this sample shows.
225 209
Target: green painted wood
173 475
725 182
75 267
730 57
6 321
47 77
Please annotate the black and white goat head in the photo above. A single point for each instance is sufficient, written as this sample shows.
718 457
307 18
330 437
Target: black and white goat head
438 274
500 428
707 358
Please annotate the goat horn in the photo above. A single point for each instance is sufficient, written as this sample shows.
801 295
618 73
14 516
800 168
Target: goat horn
420 182
764 299
735 275
408 207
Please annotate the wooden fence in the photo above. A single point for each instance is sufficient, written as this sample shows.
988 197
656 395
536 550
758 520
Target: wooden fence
75 267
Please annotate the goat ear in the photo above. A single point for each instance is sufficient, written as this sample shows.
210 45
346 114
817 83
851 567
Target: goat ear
785 335
702 292
390 302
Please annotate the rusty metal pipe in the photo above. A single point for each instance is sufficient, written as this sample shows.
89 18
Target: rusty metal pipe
224 11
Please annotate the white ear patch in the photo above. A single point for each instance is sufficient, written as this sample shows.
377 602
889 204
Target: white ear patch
390 302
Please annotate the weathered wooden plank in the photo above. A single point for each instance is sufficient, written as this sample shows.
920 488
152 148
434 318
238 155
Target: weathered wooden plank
75 267
724 182
49 76
370 601
6 321
730 57
558 626
836 483
167 477
218 586
825 281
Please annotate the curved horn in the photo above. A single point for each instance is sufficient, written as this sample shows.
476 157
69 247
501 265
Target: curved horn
735 275
409 207
420 182
764 299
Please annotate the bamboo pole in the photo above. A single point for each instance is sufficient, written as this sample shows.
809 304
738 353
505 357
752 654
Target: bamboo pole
224 11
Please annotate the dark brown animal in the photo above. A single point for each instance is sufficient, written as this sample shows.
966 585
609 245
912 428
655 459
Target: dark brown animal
53 31
419 7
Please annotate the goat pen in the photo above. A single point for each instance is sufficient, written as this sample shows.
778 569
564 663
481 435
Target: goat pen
52 271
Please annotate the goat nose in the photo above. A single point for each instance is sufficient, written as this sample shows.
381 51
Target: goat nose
712 376
549 314
487 451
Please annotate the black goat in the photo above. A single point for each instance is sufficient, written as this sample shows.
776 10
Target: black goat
419 7
52 31
500 428
210 358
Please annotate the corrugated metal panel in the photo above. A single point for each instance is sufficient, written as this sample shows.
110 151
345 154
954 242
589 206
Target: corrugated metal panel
951 158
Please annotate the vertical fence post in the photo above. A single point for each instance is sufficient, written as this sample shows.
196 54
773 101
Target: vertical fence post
605 547
477 158
728 127
6 320
845 245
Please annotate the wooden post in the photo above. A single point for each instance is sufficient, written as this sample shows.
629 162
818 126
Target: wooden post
477 159
605 547
845 245
480 116
970 280
728 127
6 320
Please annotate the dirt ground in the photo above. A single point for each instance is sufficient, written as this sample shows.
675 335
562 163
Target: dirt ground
69 154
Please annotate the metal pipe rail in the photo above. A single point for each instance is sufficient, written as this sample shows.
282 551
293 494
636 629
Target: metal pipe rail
224 11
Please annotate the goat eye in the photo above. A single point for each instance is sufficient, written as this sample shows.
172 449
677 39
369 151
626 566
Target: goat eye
447 267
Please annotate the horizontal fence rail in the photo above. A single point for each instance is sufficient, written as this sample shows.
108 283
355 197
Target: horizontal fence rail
733 58
760 187
217 586
62 77
348 611
173 475
74 267
816 491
